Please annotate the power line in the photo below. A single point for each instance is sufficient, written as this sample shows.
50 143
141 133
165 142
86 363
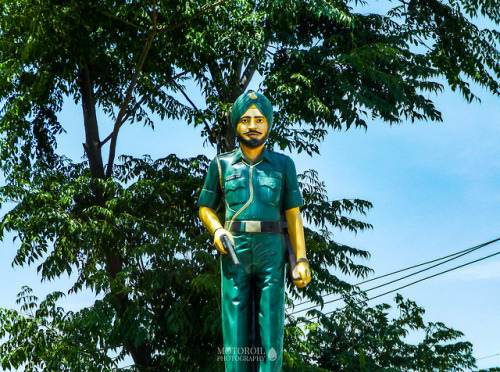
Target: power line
489 356
421 280
434 275
465 251
453 257
457 254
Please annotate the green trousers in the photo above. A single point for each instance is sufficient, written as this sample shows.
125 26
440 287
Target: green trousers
254 293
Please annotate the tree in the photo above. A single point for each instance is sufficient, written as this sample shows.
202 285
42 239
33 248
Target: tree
361 338
85 50
129 230
327 66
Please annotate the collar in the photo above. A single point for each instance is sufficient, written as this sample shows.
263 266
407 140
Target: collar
238 155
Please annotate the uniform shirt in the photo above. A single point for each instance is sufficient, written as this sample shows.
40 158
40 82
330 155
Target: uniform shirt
255 192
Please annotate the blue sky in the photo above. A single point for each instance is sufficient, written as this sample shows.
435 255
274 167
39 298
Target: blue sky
435 189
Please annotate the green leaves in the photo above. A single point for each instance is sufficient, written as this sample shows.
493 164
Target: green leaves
324 213
44 337
149 218
457 48
130 232
361 338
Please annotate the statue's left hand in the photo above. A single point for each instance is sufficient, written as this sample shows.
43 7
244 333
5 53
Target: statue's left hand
305 275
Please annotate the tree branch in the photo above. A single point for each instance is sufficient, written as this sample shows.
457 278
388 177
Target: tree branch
128 96
207 126
216 77
91 144
248 74
138 104
250 70
236 73
122 20
204 9
130 89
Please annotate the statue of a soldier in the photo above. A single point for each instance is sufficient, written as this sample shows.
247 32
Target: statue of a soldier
258 186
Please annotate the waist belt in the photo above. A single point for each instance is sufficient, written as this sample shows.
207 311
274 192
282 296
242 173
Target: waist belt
256 226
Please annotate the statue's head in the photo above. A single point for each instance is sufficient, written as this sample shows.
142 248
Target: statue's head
252 118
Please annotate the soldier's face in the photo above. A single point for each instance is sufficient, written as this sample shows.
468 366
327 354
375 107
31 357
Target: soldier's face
252 129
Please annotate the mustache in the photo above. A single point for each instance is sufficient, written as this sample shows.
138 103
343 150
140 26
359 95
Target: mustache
252 131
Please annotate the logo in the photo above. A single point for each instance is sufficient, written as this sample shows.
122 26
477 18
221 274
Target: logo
272 355
241 354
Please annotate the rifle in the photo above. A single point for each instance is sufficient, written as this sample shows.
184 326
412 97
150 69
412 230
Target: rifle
229 247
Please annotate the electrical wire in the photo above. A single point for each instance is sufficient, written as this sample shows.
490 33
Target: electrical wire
457 254
489 356
420 280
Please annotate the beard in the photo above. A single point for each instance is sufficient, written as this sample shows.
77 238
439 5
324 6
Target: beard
252 142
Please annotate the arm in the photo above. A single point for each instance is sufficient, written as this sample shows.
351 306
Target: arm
212 224
296 232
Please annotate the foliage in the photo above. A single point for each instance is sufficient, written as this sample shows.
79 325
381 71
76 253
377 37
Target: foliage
361 338
129 230
329 64
53 336
169 278
171 281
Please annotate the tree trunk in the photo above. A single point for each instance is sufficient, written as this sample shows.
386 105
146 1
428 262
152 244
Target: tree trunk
92 143
114 263
227 139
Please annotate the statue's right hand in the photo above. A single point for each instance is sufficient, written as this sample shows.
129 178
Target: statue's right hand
218 241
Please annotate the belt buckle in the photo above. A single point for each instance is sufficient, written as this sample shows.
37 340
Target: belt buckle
252 226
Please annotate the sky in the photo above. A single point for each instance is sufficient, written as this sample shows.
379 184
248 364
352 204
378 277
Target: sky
435 188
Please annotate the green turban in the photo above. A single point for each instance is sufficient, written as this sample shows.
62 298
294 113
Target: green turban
243 103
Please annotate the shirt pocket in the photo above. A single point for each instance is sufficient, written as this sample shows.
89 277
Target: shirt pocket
236 191
269 190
